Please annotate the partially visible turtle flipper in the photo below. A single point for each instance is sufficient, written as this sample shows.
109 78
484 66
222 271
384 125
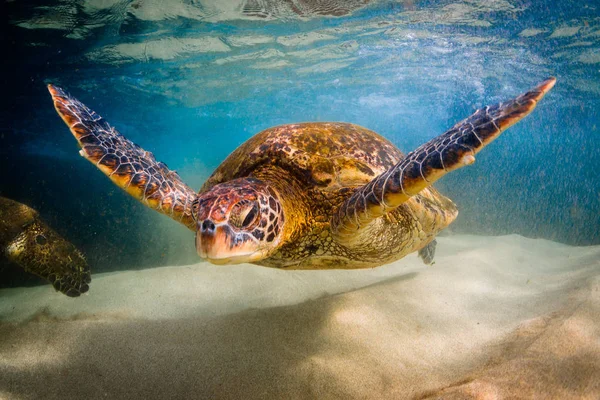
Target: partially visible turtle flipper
428 163
125 163
29 243
428 252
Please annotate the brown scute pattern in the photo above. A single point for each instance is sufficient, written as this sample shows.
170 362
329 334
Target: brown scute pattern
329 155
124 162
421 167
31 244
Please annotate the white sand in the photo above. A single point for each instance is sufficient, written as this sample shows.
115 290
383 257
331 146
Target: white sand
504 317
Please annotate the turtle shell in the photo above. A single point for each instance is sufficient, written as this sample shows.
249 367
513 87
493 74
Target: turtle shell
323 156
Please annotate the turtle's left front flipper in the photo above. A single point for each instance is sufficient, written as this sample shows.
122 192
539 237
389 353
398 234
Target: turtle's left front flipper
124 162
420 168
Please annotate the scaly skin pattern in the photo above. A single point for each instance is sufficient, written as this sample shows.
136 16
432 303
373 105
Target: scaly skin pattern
125 163
247 212
29 243
423 166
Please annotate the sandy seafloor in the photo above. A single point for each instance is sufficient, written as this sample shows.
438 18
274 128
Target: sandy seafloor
495 317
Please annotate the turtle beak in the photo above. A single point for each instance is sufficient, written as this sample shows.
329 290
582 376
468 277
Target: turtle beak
218 245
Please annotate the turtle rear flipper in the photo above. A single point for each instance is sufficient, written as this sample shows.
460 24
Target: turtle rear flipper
420 168
428 252
124 162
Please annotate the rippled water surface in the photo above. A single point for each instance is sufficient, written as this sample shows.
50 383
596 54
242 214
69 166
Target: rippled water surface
191 80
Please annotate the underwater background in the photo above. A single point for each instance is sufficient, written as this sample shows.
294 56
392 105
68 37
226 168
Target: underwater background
192 80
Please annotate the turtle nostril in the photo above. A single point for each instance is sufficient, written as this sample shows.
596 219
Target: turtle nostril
207 226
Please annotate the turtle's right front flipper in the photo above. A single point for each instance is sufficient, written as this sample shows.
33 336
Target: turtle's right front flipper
421 167
125 163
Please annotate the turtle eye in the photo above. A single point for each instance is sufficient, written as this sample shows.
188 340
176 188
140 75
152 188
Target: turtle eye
250 216
195 209
244 214
41 240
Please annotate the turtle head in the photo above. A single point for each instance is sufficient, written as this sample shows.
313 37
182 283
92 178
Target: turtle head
238 221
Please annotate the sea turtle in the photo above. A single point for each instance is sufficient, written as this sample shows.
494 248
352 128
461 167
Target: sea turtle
28 242
304 196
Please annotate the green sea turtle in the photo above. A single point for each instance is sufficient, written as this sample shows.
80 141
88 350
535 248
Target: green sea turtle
304 196
28 242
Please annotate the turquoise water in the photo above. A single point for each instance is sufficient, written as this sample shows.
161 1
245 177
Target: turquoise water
190 81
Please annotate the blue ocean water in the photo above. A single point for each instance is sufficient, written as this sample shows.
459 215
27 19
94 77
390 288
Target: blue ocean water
190 81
